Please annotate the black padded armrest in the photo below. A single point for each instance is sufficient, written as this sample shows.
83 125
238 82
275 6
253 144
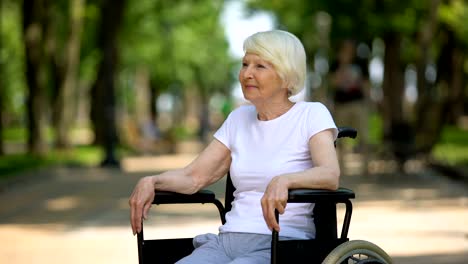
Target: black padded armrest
203 196
347 132
295 196
314 196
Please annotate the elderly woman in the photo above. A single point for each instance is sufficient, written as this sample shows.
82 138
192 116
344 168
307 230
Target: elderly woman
269 147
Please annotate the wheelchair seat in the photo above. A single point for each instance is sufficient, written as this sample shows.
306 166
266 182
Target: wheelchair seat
327 247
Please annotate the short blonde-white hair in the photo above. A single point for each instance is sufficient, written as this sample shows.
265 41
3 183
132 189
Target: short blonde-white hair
285 51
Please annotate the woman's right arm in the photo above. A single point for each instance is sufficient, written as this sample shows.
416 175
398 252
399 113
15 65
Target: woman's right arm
211 165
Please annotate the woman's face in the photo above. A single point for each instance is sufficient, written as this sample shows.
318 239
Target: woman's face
259 80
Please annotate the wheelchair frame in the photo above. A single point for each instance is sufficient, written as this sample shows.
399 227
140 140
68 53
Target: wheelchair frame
327 246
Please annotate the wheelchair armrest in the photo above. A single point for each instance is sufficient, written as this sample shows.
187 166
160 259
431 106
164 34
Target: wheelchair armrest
323 199
202 196
315 195
347 132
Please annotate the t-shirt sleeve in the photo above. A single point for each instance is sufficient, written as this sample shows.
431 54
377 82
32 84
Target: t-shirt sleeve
321 119
223 133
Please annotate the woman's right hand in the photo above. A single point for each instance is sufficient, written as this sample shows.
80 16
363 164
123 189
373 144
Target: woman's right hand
140 202
210 166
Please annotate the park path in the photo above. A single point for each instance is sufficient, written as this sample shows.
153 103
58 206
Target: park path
80 215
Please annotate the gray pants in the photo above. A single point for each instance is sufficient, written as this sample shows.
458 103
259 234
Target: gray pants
233 248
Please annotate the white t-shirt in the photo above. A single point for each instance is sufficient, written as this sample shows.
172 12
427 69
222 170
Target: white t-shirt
261 150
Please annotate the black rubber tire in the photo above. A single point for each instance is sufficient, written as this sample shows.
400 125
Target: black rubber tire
360 248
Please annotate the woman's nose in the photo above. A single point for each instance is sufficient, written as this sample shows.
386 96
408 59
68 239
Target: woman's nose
247 73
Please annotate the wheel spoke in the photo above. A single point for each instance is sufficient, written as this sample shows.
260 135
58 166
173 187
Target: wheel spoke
358 252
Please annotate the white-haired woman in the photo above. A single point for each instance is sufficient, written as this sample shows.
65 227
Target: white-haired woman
269 147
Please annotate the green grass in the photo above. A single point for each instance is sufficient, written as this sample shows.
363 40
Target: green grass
11 164
452 147
374 133
14 134
19 134
81 156
375 129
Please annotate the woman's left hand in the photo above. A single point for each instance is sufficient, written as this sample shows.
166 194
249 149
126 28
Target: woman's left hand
275 197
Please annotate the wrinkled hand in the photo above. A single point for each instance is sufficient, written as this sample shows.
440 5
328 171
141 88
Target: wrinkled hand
275 197
140 202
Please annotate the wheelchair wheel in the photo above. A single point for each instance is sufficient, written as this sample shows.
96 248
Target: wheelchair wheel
357 251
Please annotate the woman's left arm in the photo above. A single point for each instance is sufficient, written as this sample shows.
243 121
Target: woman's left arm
324 175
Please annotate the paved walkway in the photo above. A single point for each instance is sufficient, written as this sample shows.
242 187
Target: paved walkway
80 215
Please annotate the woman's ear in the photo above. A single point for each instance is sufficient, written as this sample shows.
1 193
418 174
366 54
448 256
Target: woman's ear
287 86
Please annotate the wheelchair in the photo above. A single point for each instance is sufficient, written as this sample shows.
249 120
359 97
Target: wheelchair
327 247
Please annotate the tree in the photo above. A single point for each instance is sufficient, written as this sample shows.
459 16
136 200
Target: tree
36 35
103 90
454 41
409 32
67 79
208 70
182 46
2 148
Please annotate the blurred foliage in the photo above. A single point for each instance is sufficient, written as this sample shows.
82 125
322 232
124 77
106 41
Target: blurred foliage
89 54
418 33
455 14
322 24
180 43
181 133
13 85
182 46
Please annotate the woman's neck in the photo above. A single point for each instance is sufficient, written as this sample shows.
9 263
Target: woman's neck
270 111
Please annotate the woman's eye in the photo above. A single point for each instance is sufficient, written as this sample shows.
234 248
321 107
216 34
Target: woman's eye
260 66
244 65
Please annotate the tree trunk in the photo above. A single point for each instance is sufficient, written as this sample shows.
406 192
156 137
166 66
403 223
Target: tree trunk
142 96
203 107
444 103
204 118
2 147
426 36
154 95
428 107
103 90
35 22
455 92
65 102
393 84
398 133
